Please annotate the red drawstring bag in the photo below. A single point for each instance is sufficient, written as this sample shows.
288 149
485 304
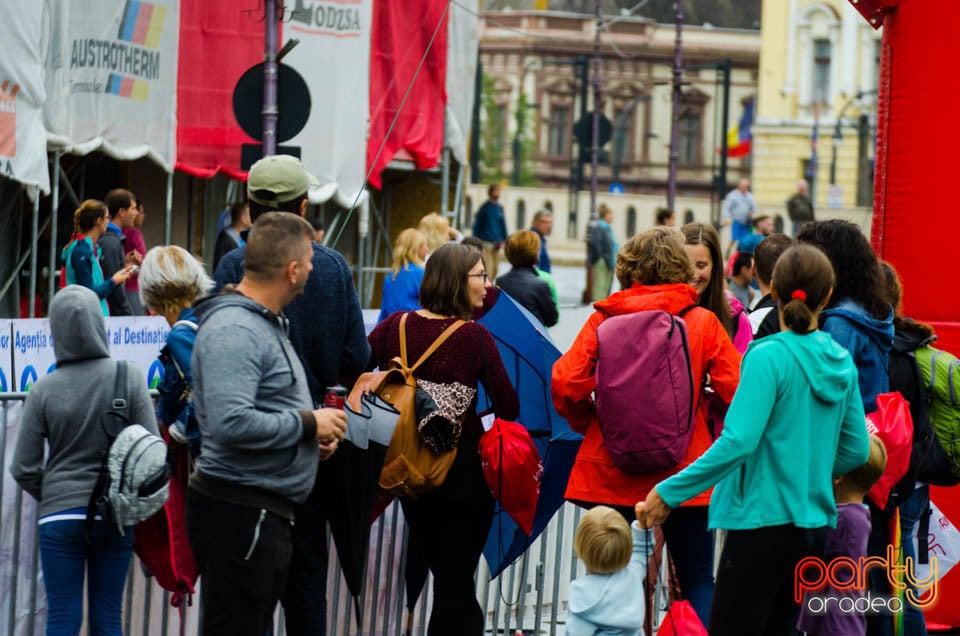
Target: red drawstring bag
892 423
511 465
681 620
161 541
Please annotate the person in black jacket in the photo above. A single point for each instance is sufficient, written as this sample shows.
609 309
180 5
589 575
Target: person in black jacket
764 318
122 205
230 237
522 283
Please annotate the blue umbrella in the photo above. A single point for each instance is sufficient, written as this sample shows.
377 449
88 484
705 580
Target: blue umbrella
528 354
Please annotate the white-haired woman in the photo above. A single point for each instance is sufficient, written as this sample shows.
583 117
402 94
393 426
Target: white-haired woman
171 281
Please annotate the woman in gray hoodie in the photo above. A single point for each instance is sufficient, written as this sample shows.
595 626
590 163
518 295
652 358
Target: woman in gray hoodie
63 413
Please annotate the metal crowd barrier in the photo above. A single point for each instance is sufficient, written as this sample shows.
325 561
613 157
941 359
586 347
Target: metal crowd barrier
528 598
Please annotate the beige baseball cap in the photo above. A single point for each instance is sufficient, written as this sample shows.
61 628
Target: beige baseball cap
277 179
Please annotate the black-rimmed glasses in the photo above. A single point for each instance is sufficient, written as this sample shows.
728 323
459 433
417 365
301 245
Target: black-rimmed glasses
482 275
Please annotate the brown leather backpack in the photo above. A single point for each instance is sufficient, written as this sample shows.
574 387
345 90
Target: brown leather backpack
410 467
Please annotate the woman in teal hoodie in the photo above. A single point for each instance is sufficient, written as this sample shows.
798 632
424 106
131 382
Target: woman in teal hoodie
81 256
796 422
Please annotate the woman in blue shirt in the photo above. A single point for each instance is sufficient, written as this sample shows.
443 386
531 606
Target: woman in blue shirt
401 288
81 256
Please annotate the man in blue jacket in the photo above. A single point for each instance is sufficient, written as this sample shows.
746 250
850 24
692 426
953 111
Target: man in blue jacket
327 332
490 226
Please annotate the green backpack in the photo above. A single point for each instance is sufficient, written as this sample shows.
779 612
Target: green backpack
941 373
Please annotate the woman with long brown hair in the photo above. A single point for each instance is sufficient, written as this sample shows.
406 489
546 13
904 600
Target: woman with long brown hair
451 523
703 250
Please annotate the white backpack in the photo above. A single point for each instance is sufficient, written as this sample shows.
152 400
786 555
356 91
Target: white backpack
134 475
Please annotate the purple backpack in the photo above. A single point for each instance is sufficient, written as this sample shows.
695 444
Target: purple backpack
645 390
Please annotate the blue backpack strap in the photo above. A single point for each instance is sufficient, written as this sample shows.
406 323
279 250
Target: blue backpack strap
185 323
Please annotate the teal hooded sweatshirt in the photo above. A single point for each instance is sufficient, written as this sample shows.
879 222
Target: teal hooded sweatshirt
796 422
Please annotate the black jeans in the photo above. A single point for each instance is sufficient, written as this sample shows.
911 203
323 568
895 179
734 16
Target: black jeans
451 527
754 589
243 555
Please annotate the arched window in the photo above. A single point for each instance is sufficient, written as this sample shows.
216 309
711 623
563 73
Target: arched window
468 212
778 224
688 216
818 36
521 214
631 221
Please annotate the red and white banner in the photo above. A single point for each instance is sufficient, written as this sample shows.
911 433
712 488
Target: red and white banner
23 140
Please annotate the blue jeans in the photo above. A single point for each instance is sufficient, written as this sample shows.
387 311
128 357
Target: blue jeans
910 512
691 546
64 556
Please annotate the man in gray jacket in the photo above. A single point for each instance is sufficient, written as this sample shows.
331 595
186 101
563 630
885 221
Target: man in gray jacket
260 432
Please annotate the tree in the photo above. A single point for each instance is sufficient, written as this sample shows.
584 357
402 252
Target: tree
493 133
525 142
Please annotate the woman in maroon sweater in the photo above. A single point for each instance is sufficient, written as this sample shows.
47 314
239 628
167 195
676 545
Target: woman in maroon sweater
451 523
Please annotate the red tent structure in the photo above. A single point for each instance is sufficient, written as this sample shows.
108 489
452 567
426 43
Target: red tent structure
914 187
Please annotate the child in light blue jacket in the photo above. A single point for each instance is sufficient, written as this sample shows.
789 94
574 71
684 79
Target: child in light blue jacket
609 600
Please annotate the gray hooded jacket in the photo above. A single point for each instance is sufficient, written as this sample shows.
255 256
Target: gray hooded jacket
253 406
64 409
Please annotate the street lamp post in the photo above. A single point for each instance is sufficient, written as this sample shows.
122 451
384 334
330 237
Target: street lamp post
838 134
675 118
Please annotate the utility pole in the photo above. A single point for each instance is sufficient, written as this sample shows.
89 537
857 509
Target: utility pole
595 137
270 71
594 149
675 123
721 183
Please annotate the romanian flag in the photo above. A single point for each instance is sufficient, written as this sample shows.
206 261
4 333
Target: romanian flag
739 136
142 23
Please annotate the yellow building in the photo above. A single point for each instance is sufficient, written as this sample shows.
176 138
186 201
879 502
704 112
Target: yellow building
818 69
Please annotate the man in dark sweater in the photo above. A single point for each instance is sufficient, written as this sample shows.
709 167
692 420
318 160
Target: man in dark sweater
122 205
490 226
327 332
764 317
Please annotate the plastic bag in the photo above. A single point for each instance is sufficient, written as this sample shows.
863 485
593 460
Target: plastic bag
892 423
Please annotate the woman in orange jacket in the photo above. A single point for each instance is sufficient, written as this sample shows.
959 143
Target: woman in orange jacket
653 270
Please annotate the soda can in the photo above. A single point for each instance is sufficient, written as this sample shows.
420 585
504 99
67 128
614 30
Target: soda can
335 397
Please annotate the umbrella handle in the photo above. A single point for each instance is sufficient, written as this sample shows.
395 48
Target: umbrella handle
409 622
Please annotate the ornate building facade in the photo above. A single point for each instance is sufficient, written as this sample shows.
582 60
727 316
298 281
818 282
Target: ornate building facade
819 64
535 54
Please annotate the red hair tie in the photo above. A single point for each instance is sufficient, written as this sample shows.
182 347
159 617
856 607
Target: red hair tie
799 294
